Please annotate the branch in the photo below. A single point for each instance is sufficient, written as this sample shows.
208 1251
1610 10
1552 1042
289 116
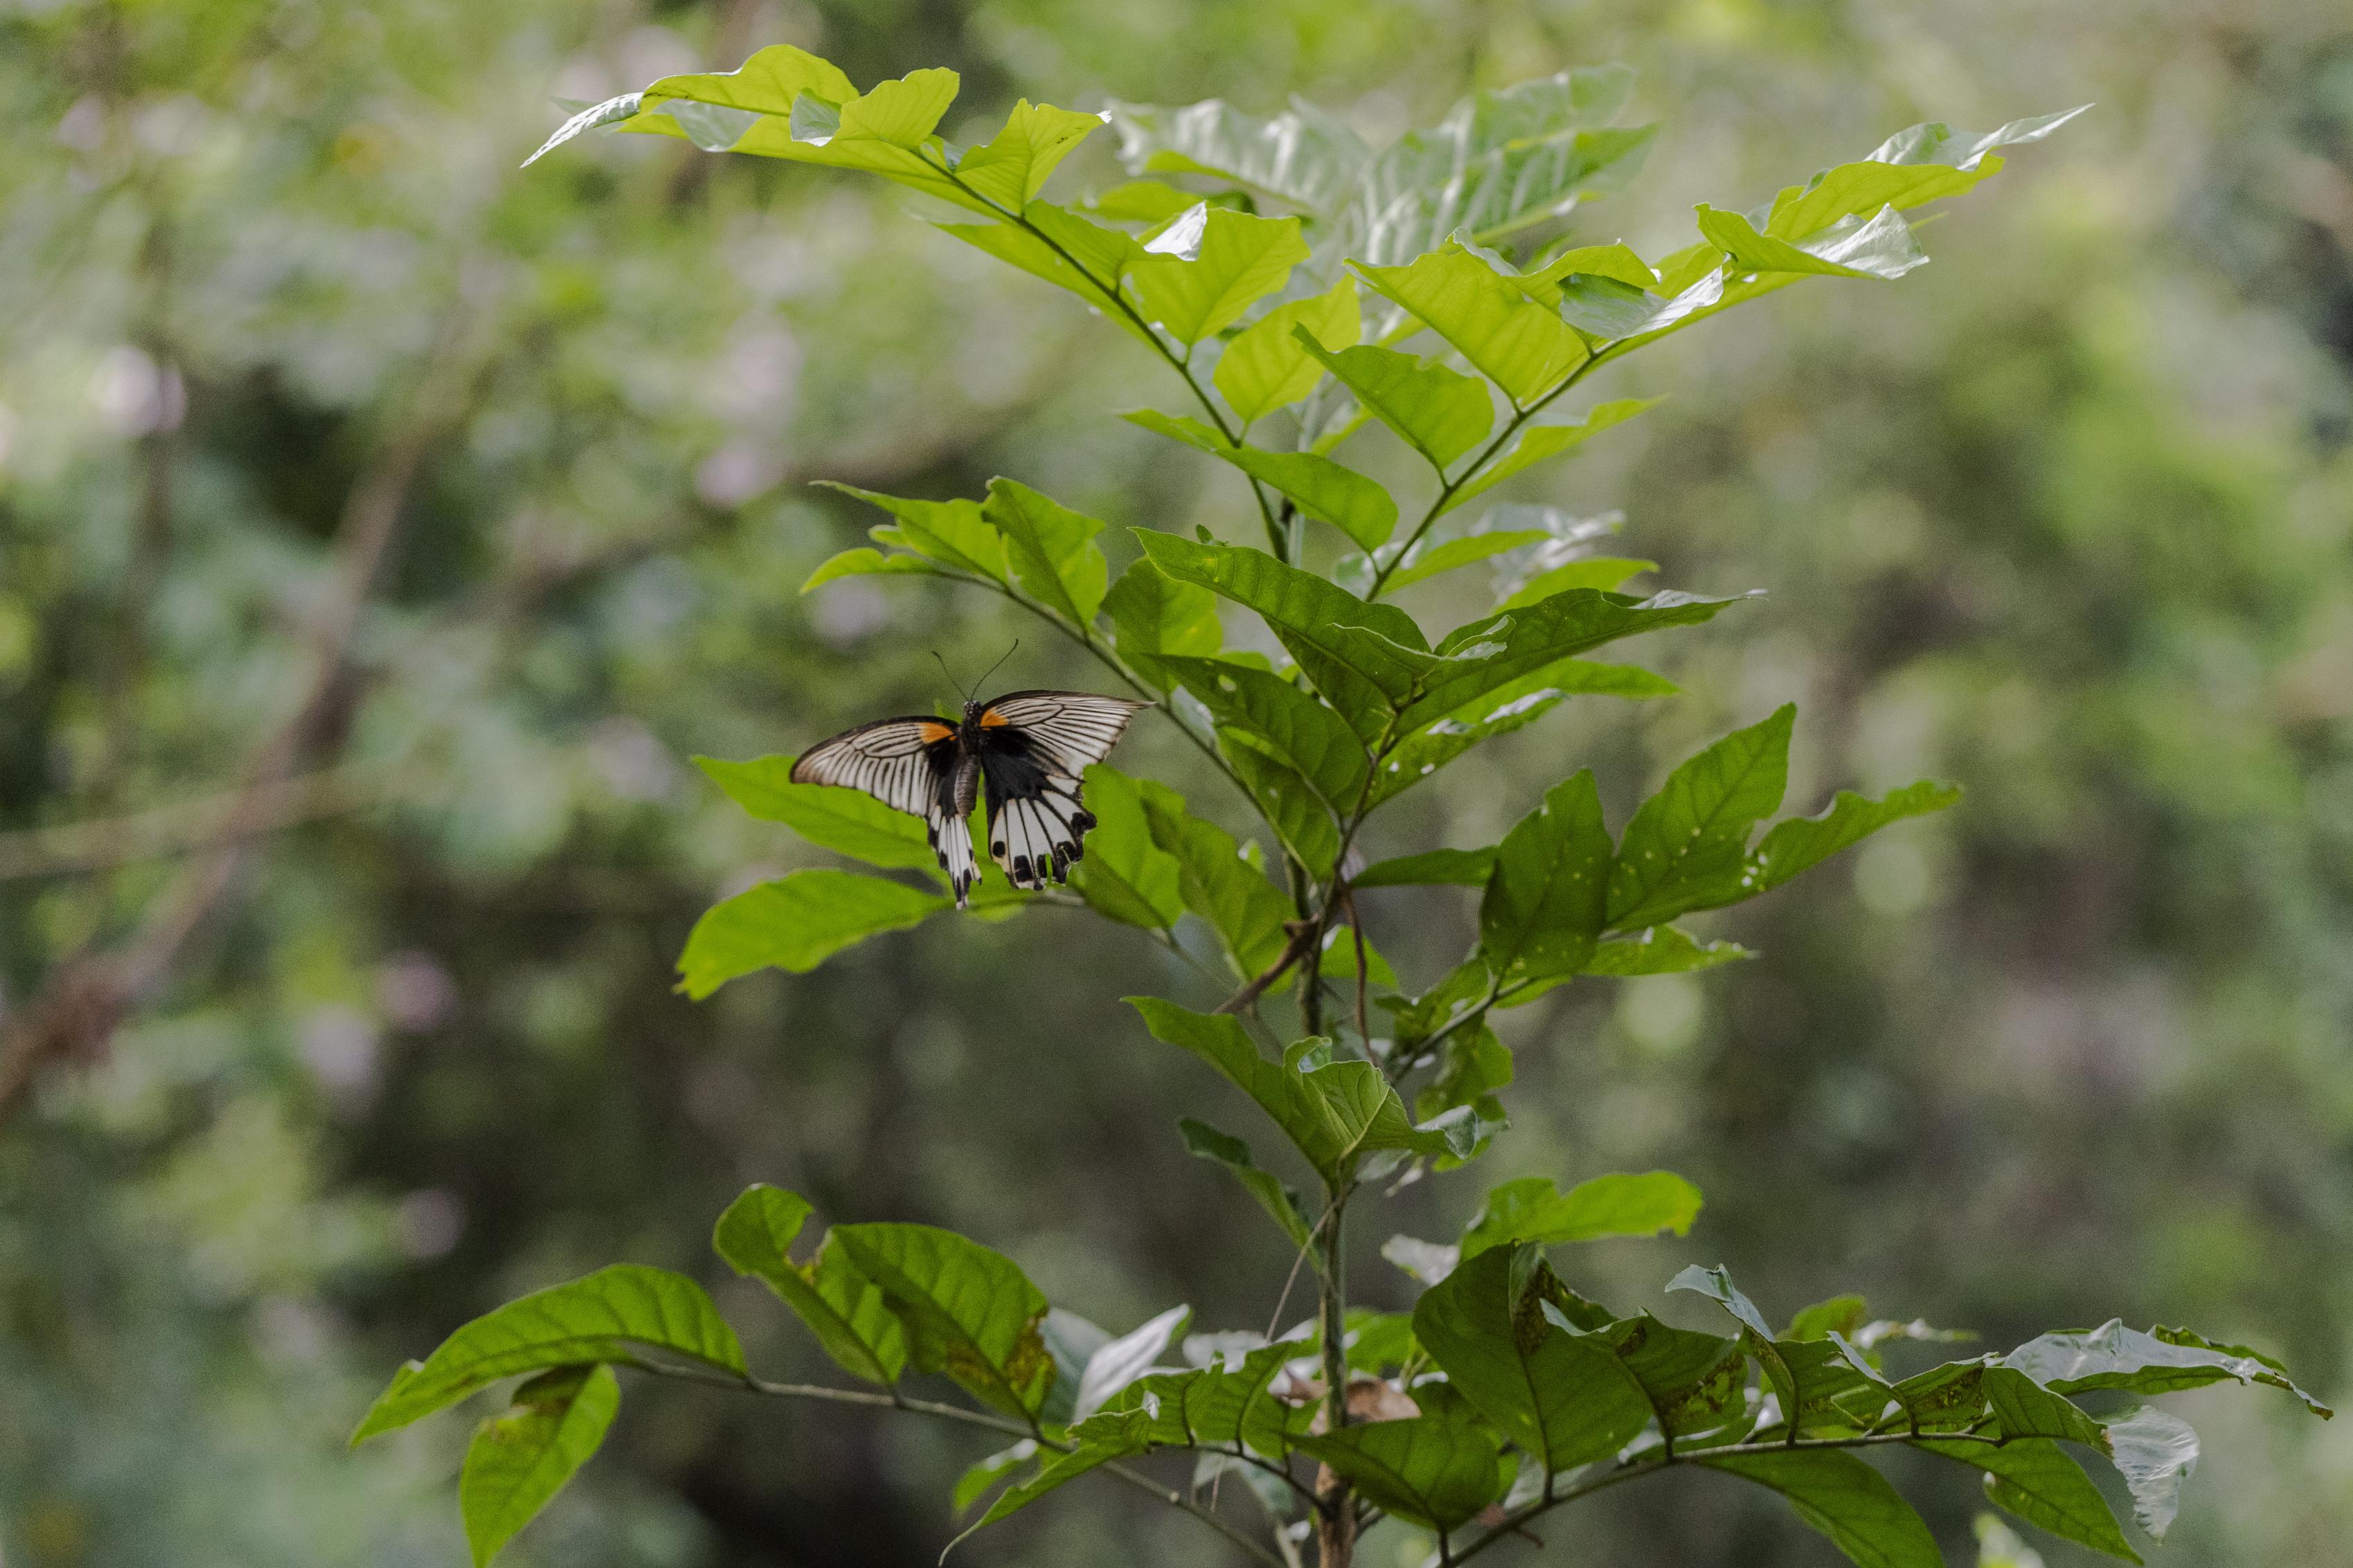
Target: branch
102 844
1303 939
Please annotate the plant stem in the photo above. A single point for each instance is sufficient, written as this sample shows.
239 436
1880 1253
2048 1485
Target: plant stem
1336 1528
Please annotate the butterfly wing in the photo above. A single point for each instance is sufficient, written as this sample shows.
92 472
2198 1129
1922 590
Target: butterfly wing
1034 746
911 764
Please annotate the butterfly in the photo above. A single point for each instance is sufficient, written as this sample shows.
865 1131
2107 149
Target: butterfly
1026 751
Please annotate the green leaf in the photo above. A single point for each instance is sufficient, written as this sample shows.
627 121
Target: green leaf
1485 657
1883 246
1361 656
796 923
848 821
607 1316
1324 489
1438 411
951 532
1840 1314
1561 1396
1507 708
1538 443
1333 1111
1199 275
867 562
1052 548
1305 157
2038 1482
1522 347
1153 614
1474 1063
1126 874
1794 846
1697 1383
973 1484
1121 1361
767 83
1428 1470
1151 203
1607 573
1265 367
1501 161
2027 1409
1070 251
1661 950
1458 868
1101 1439
1693 833
2154 1452
1216 883
1936 142
1301 821
1204 1141
1617 262
1844 1498
1542 911
1011 167
2112 1356
1224 1404
518 1461
1533 1210
967 1310
841 1307
1430 558
1313 740
1755 1333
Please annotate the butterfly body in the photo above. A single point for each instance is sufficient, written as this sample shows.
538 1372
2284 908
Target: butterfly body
1023 753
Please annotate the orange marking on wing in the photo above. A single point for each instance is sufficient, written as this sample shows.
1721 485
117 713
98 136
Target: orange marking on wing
933 733
990 719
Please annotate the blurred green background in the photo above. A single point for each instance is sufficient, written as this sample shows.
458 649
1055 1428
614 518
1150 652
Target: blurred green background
2064 517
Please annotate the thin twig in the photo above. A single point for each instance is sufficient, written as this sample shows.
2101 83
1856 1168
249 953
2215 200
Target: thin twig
69 847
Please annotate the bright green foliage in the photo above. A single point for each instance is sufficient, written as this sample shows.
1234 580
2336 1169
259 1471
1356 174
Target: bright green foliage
1322 284
613 1315
518 1461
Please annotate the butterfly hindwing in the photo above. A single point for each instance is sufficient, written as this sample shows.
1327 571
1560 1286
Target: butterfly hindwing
1036 823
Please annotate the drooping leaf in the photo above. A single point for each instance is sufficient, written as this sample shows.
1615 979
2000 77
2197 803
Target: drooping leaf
1533 1210
1518 344
796 922
1199 274
1562 1396
1755 1333
1883 246
1661 950
1793 845
1304 733
2112 1356
1204 1142
1130 1356
1844 1498
1538 443
1052 548
1153 614
1070 1341
1069 251
1265 367
1936 142
973 1484
848 821
1542 911
2038 1482
967 1310
612 1315
1216 883
1438 411
1302 822
1126 874
519 1461
1010 168
841 1307
1459 868
1427 1261
1693 833
1428 1470
2154 1452
1305 157
1113 1435
1339 496
1606 572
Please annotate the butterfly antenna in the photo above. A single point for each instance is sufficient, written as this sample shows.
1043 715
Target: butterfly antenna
992 668
951 675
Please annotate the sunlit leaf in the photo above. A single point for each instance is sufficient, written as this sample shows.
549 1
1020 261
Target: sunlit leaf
520 1460
1069 251
1265 367
1883 246
1695 831
1486 657
967 1310
1305 157
1125 874
1513 341
1010 168
1607 573
1099 1440
1316 742
2155 1452
613 1315
2114 1356
841 1306
951 532
848 821
1324 489
1052 548
1153 614
1201 273
1533 1210
1697 1383
1438 411
796 922
1230 894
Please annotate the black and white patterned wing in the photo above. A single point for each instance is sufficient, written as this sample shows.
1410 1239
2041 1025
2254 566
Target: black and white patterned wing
908 764
1068 731
1036 826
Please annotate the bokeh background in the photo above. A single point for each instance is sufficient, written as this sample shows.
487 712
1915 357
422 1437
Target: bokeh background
2064 517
